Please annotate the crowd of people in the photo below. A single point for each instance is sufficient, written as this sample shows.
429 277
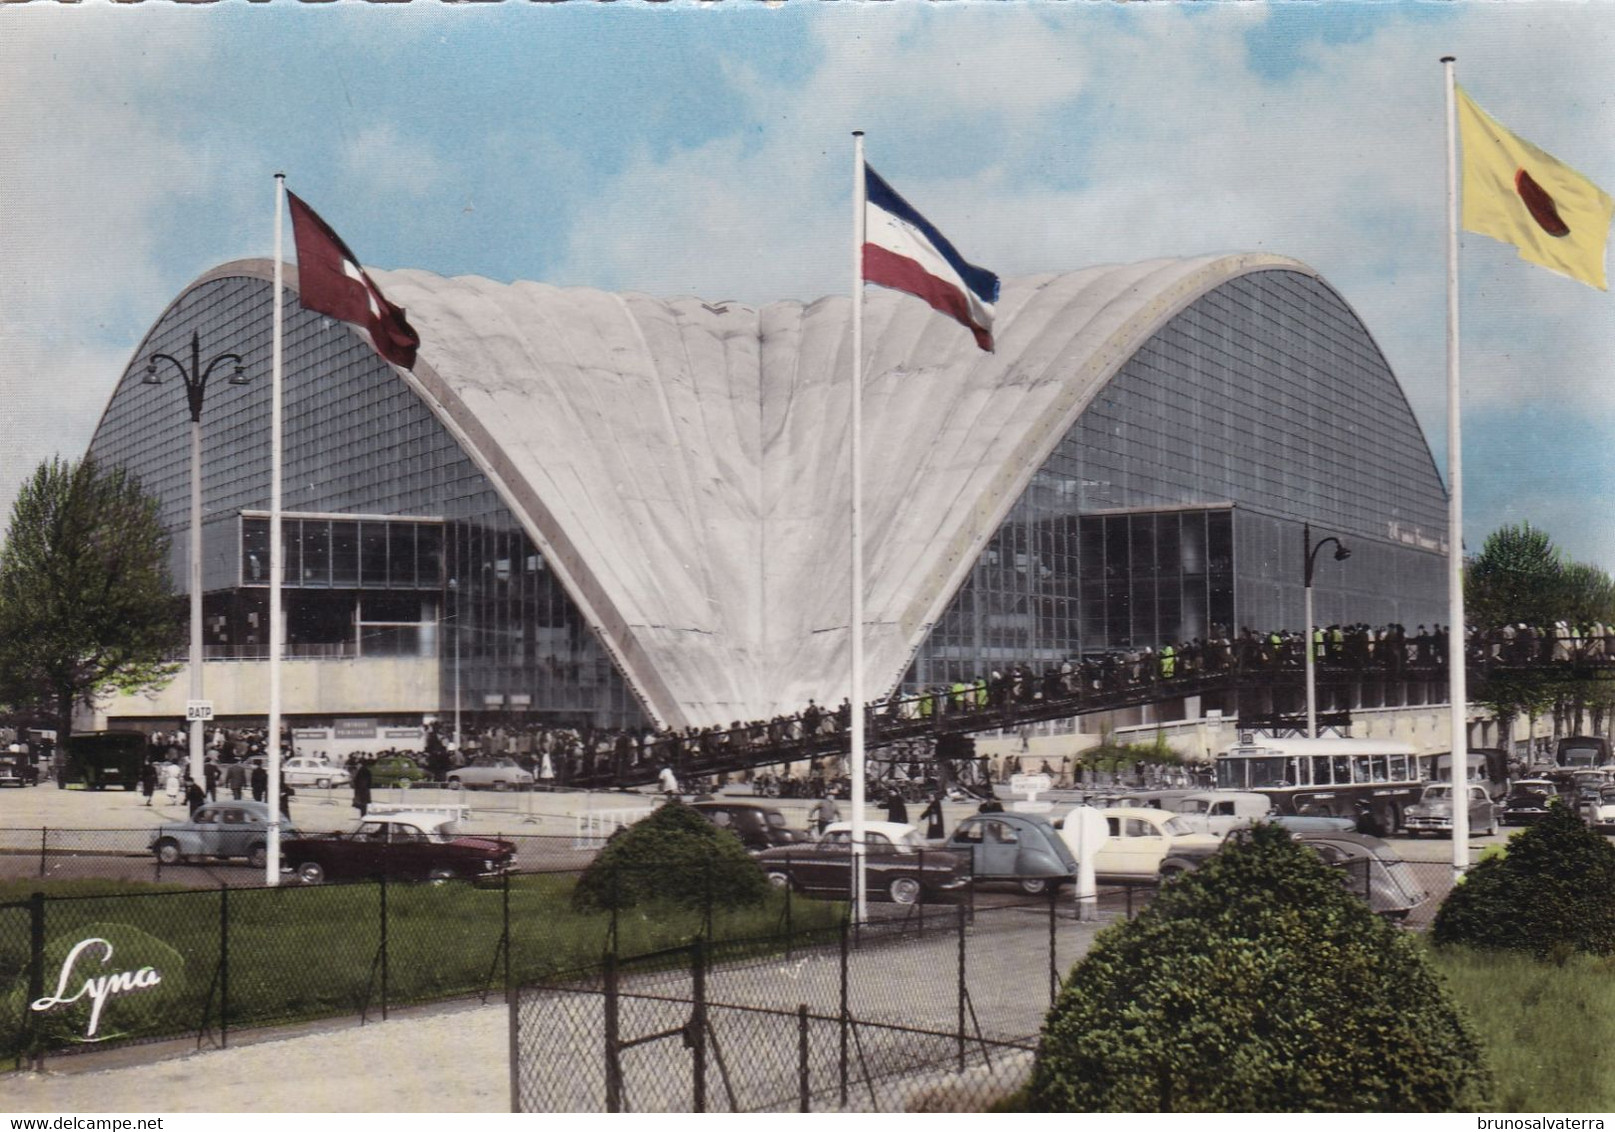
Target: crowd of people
566 755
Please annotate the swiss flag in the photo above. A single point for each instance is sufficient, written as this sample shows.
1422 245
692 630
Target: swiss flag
332 282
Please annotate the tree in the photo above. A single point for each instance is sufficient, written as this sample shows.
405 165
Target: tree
87 605
1257 983
1518 577
1552 893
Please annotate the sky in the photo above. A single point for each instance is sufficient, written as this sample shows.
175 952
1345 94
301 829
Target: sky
704 149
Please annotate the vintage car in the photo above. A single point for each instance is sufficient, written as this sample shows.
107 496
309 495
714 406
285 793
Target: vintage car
1371 869
220 829
306 771
1527 801
1432 813
758 827
1600 814
494 771
898 865
16 770
1023 848
395 770
1146 845
409 846
1220 812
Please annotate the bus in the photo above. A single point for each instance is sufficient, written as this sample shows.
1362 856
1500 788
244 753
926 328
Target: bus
100 759
1372 781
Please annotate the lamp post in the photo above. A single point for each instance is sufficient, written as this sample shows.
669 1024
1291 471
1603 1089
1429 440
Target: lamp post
1311 552
454 590
195 378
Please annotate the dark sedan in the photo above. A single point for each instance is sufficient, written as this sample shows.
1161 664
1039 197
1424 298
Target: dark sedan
1528 801
897 865
407 846
758 827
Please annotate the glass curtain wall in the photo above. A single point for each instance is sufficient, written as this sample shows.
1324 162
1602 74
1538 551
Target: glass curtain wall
1174 505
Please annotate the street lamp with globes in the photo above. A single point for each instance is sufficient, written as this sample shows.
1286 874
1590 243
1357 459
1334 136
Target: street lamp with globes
195 378
1311 552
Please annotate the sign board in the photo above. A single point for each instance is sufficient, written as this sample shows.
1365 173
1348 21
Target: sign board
355 729
1024 807
337 743
1030 783
1085 832
198 710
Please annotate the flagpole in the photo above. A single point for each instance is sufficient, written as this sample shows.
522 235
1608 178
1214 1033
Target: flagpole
855 700
276 558
1455 510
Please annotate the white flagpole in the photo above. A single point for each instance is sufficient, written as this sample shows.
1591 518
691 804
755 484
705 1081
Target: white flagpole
276 558
855 700
1455 511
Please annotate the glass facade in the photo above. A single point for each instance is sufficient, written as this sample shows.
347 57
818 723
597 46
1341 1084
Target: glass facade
1174 506
455 575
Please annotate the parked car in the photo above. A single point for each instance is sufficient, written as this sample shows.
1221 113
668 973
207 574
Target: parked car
305 771
758 827
1024 848
1371 868
494 771
898 864
408 846
16 770
220 829
395 770
1220 812
1432 813
1147 845
1601 813
1527 801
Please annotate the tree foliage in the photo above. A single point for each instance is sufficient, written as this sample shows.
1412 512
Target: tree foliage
1551 894
1256 984
674 855
1518 577
86 601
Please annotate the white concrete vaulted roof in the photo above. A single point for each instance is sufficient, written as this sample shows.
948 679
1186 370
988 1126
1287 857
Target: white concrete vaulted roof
684 466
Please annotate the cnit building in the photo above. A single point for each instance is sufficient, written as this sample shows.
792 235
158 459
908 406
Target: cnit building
584 506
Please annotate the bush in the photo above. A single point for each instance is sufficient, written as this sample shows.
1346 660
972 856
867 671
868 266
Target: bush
674 855
1551 894
1256 984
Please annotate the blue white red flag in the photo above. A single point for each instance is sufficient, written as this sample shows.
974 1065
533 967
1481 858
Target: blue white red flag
903 251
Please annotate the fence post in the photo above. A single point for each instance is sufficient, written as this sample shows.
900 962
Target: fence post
802 1075
698 1022
384 945
962 989
613 1067
845 1017
1054 956
44 839
36 972
224 966
506 929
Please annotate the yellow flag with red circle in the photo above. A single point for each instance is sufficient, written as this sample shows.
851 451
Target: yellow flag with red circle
1517 193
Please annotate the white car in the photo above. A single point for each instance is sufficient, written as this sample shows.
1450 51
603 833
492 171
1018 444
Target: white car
1220 812
1601 814
1147 845
304 771
492 771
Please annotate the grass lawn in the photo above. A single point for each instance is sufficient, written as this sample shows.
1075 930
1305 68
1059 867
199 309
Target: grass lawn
297 953
1549 1030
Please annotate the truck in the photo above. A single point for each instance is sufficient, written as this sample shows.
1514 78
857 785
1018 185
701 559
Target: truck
103 759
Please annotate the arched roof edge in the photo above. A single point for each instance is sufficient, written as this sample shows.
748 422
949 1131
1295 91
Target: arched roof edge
474 440
1103 363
